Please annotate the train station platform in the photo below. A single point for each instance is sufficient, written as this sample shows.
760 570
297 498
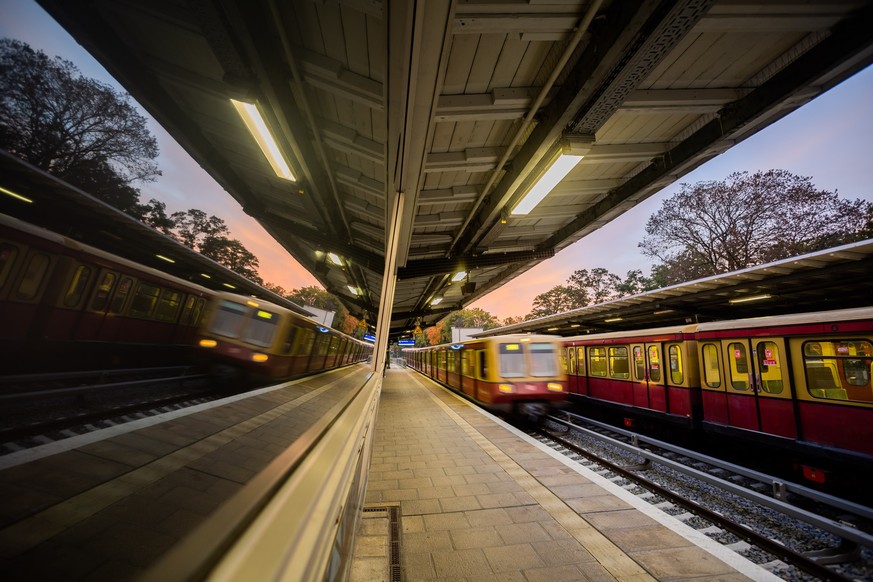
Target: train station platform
480 500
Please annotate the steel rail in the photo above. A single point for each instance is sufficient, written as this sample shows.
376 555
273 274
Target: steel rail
790 556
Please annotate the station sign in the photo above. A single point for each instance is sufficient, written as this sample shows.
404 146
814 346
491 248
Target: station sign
406 342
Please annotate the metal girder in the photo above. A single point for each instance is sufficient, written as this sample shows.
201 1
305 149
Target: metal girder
741 118
467 263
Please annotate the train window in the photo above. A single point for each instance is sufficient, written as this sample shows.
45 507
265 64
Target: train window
8 253
839 370
674 353
483 365
597 361
452 360
37 266
654 355
618 364
144 300
571 360
739 366
639 363
711 370
289 339
104 290
168 306
769 367
580 361
121 293
76 289
228 319
262 328
308 343
468 363
511 360
542 359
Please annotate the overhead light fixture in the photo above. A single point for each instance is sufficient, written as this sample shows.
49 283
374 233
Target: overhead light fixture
334 258
459 276
228 285
574 325
353 290
749 298
571 153
205 276
552 329
163 258
613 319
16 196
662 312
258 128
436 300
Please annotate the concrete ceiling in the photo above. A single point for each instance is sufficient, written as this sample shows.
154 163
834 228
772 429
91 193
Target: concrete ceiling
459 106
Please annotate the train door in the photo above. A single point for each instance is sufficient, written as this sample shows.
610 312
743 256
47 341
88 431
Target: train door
481 375
655 377
771 387
639 376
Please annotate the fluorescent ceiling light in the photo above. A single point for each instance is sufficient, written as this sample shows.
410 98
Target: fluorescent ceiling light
547 182
14 195
353 290
750 298
334 258
204 275
459 276
436 300
613 320
258 128
163 258
228 285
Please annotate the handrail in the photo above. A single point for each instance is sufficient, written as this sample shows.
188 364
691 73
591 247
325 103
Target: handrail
285 521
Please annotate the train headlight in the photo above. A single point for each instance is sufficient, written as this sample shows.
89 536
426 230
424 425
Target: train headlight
506 388
554 387
208 343
260 357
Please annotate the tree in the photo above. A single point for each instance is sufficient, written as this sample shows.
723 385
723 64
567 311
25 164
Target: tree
232 254
599 283
66 124
318 297
472 317
194 228
557 300
437 334
747 219
154 214
634 283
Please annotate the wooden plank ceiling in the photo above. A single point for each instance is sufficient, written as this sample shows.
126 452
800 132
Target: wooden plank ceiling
460 105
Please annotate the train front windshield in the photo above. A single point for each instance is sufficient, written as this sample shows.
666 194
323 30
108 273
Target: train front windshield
543 362
528 359
234 320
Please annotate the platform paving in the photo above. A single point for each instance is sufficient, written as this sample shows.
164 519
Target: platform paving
481 501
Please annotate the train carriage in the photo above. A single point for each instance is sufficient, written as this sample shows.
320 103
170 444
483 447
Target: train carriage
804 378
651 370
513 374
799 383
66 305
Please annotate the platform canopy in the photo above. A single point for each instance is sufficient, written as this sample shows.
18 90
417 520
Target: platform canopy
460 106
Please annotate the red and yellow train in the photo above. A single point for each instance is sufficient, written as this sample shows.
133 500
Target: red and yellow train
267 341
68 306
800 382
511 374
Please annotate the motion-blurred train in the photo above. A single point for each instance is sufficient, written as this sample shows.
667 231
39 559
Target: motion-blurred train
517 374
801 383
263 340
68 306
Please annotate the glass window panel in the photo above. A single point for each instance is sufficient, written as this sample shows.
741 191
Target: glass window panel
33 276
618 363
511 361
677 375
711 367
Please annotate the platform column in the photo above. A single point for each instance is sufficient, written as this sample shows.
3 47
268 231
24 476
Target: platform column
389 279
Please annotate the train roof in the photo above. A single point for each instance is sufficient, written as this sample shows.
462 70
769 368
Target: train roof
509 337
854 314
655 331
48 235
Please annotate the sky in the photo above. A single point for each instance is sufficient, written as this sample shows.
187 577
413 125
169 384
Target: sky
829 140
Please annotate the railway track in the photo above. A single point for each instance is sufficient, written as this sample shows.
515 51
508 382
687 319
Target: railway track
796 532
38 409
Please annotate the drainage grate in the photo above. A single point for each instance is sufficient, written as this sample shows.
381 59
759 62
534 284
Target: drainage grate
395 571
